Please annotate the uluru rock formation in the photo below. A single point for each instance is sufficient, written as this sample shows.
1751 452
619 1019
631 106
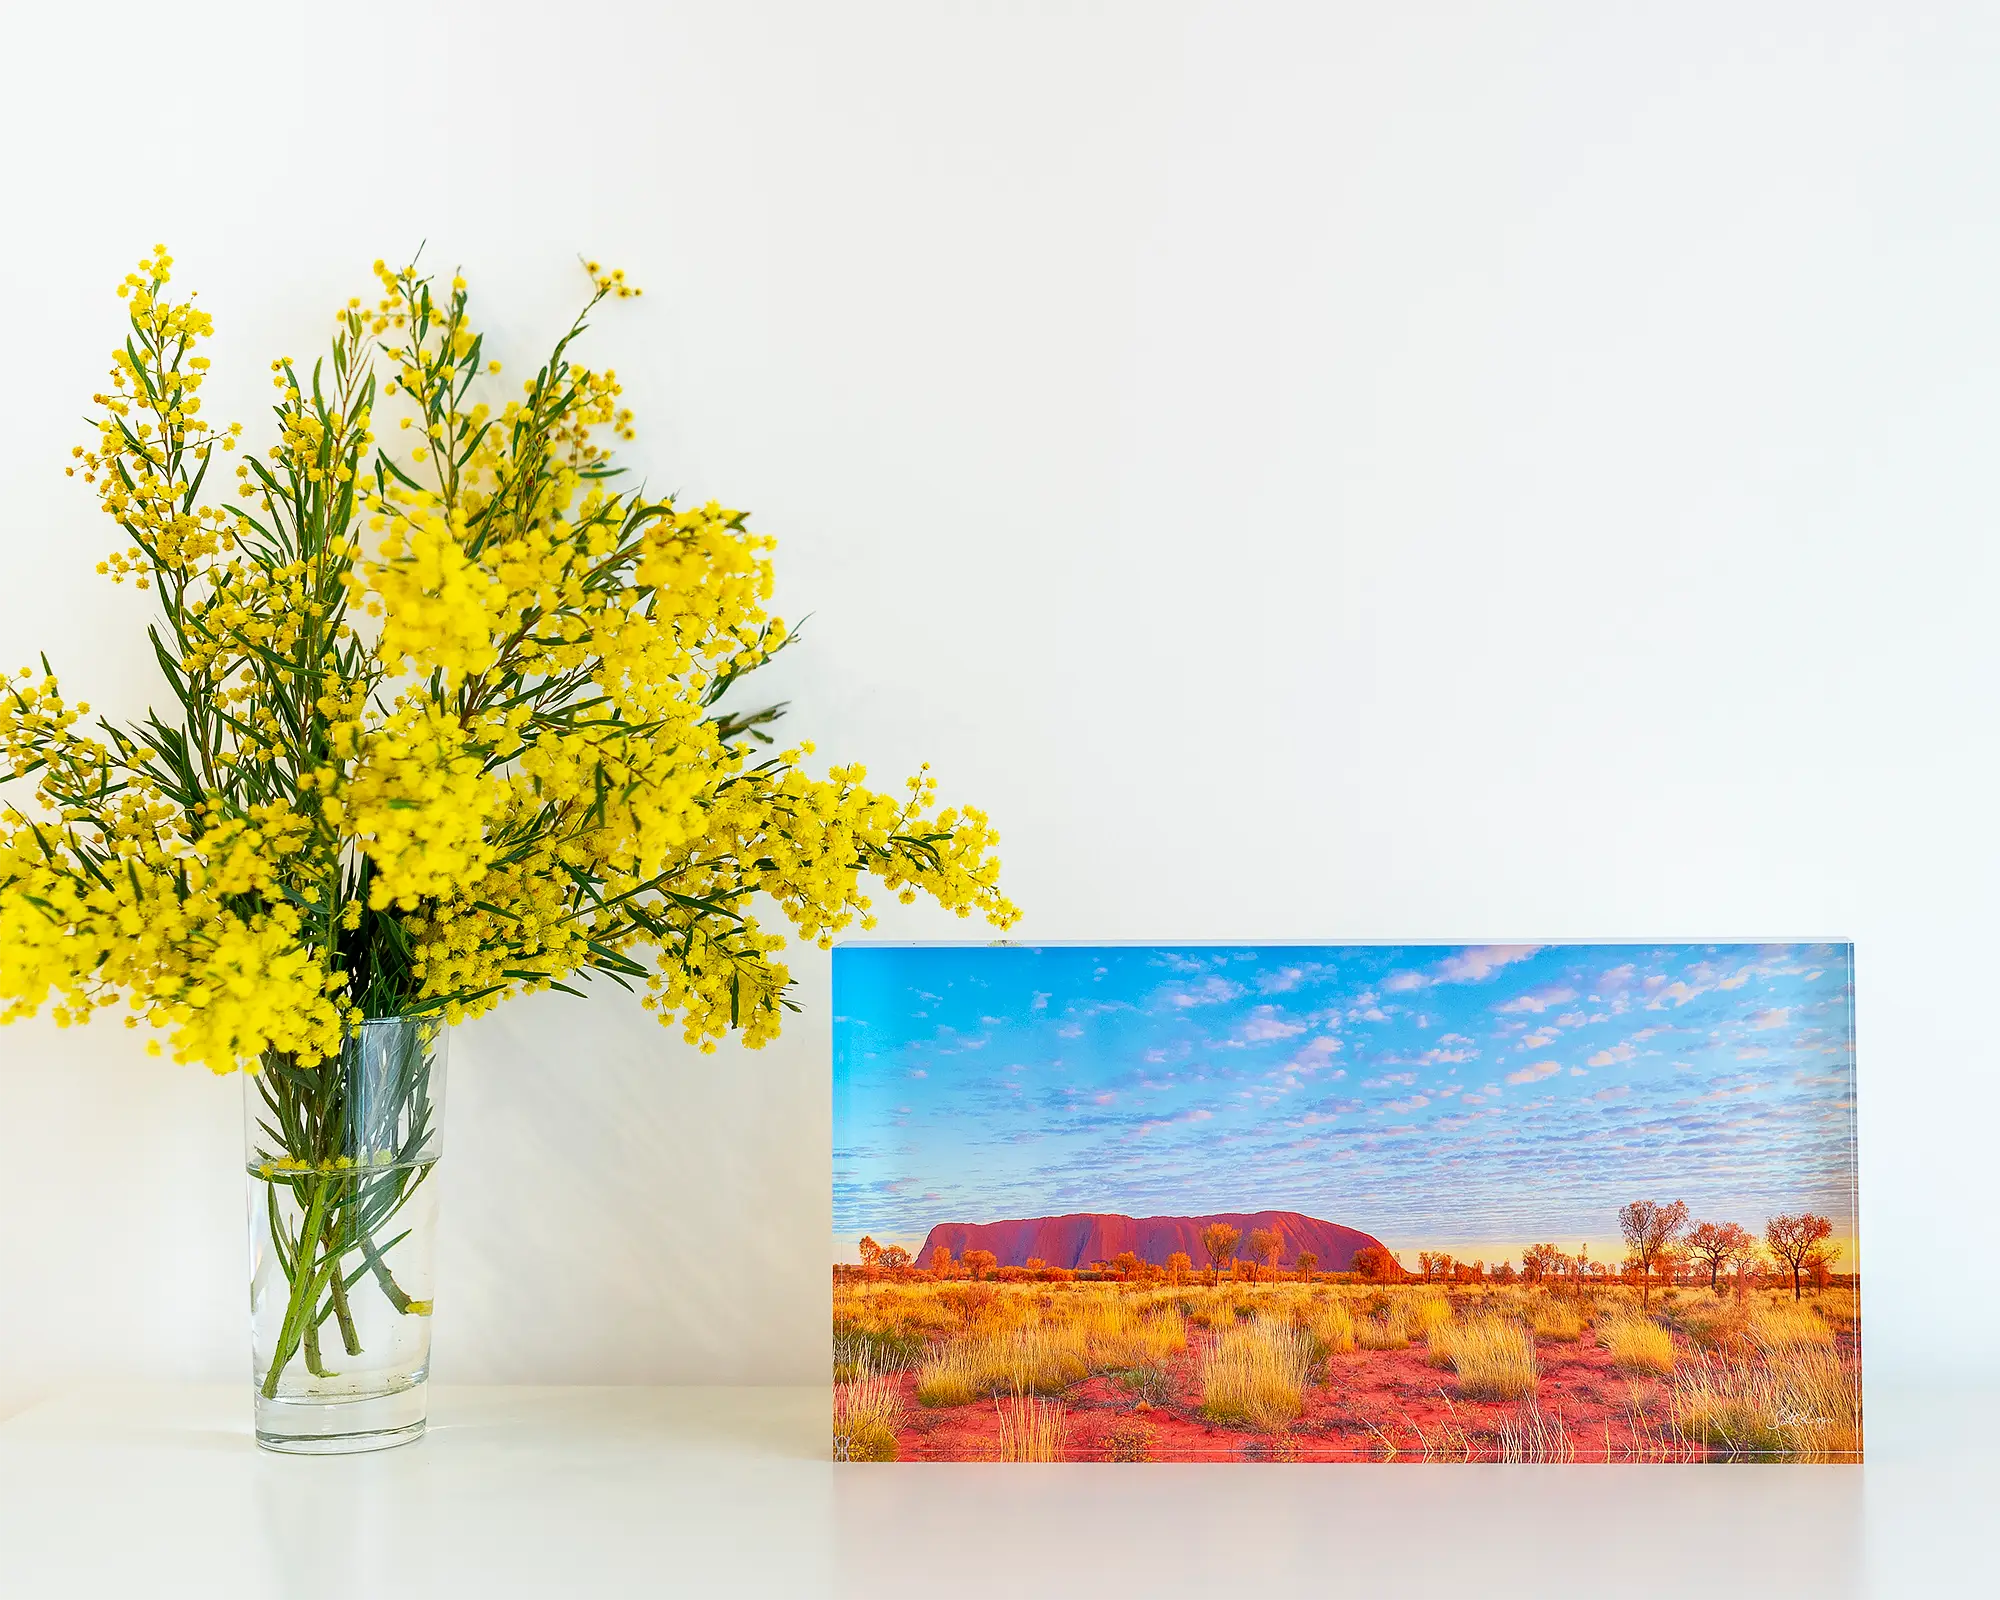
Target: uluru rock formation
1084 1237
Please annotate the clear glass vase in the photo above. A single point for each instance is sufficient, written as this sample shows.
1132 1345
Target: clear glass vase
341 1160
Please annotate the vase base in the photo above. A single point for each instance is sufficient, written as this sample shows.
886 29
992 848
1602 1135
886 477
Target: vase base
342 1427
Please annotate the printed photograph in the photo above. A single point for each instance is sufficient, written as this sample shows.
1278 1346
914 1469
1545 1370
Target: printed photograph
1295 1203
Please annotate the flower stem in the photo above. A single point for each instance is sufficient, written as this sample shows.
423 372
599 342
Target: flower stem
305 1274
337 1287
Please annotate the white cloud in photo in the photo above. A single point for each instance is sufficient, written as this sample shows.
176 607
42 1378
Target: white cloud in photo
1265 1024
1539 1000
1209 992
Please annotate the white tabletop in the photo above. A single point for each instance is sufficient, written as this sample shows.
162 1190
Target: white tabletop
159 1491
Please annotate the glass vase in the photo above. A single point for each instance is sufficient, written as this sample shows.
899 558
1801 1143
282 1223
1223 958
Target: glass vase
341 1162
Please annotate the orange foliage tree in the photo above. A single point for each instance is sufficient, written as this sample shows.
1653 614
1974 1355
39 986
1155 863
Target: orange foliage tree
1306 1264
1265 1246
1793 1239
1650 1230
1179 1268
1716 1244
1374 1263
1219 1239
941 1261
978 1263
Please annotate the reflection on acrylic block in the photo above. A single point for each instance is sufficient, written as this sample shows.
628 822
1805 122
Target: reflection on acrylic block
1337 1203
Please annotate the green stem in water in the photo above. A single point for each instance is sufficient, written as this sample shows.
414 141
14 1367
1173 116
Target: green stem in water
337 1290
314 1363
298 1308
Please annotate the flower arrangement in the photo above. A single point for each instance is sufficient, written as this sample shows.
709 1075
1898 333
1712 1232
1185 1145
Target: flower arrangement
446 725
445 722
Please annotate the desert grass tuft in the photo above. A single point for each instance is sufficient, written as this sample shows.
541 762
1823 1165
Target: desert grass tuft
1036 1358
1424 1313
1256 1373
1531 1434
1783 1326
1329 1328
1123 1337
1559 1321
1032 1429
1494 1358
1714 1323
1637 1344
1800 1401
857 1350
867 1411
1385 1329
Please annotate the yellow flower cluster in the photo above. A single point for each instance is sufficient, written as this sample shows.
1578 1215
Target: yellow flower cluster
449 718
417 803
106 895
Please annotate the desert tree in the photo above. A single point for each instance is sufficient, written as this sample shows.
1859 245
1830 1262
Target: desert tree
1650 1230
1220 1240
1716 1244
1264 1247
1036 1264
1503 1272
1179 1268
1426 1264
871 1252
1127 1264
1375 1263
1306 1263
1540 1261
895 1259
1667 1266
941 1261
1792 1239
978 1263
1819 1264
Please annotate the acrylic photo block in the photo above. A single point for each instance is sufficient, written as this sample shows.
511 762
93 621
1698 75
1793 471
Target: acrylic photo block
1345 1203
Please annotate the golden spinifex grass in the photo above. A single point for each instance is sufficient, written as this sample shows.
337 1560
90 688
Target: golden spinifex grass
1385 1329
445 723
1103 1333
1329 1327
1256 1373
1784 1325
1796 1400
1637 1343
1425 1313
1032 1429
1561 1321
867 1410
1494 1357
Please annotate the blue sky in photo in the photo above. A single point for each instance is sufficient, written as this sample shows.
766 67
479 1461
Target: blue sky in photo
1473 1098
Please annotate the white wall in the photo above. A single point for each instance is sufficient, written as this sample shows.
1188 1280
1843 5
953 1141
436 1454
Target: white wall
1452 471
